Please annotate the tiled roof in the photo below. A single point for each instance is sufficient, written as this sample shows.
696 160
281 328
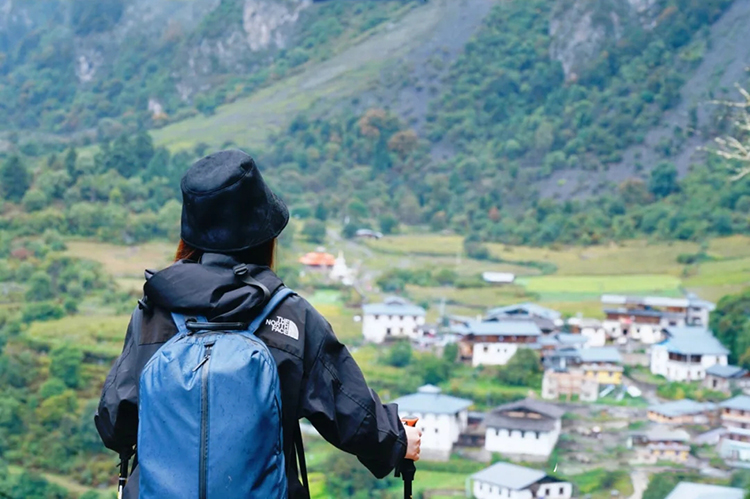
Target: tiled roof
726 371
318 259
509 475
429 400
599 354
660 434
528 309
502 328
496 420
393 306
689 490
693 341
681 408
739 403
657 301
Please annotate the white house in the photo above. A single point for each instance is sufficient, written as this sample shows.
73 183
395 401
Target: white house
547 319
687 353
591 329
442 419
644 318
735 418
494 343
527 428
498 277
689 490
510 481
392 319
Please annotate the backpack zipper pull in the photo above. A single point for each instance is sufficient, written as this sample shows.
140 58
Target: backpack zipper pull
205 358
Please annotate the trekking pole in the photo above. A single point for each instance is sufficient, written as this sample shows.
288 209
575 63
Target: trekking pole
406 470
122 480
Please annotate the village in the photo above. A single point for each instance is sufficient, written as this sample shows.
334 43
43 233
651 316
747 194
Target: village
642 343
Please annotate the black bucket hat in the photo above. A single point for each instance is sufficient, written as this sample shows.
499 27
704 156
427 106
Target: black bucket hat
226 205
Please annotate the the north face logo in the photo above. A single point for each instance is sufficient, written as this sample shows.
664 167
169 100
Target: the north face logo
283 326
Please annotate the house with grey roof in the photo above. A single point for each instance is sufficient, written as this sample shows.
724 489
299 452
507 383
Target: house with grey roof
442 419
644 318
734 447
495 342
591 329
506 480
684 412
687 353
547 319
660 443
601 364
726 379
690 490
395 318
527 428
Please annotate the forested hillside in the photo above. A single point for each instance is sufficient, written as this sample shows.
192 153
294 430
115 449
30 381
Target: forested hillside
515 108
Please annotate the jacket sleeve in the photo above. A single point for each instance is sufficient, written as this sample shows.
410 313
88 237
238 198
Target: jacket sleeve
117 416
346 412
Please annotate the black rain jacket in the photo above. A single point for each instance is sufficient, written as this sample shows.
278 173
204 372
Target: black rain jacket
320 380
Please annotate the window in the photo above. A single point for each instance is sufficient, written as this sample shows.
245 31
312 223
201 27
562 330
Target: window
537 434
486 349
547 491
436 431
388 331
562 491
401 318
377 317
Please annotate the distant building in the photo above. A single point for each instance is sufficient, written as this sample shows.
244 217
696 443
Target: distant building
727 378
498 277
547 319
689 490
687 353
341 272
506 480
591 329
394 318
550 344
569 382
318 260
644 318
442 419
683 412
494 343
734 447
602 364
661 444
528 428
369 234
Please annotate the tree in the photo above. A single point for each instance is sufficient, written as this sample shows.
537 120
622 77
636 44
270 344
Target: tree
40 287
730 322
314 231
71 157
388 224
399 354
352 480
66 363
430 369
663 180
15 179
523 369
143 150
321 212
450 352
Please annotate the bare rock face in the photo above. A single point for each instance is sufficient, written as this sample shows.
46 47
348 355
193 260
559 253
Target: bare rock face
581 28
264 21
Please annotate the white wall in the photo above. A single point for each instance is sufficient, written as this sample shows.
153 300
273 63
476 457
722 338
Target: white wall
483 490
440 431
682 371
506 441
613 328
560 490
597 336
493 354
376 330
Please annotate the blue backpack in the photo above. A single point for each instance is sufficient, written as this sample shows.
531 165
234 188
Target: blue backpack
209 414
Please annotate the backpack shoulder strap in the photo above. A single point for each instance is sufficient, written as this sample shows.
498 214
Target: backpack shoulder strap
278 297
181 322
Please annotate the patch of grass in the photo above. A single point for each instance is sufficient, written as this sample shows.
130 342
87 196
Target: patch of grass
599 482
124 261
100 337
586 285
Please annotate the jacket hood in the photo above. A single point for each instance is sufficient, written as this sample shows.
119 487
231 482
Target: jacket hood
219 287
